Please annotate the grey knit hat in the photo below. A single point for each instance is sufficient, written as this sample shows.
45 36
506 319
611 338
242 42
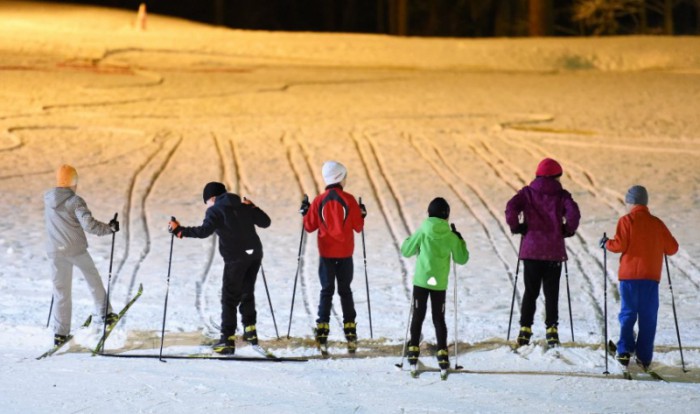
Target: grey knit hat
637 195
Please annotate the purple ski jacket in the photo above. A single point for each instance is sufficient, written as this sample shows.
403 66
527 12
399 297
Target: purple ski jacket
550 214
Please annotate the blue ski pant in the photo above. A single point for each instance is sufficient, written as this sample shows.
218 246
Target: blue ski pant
640 304
331 270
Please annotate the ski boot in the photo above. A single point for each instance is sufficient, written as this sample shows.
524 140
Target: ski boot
350 329
250 334
413 352
642 365
552 336
226 345
623 359
524 336
59 340
111 319
443 362
321 331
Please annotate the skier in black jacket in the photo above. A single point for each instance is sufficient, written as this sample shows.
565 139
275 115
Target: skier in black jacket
234 222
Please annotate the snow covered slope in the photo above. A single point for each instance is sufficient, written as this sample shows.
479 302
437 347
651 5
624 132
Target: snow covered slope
149 117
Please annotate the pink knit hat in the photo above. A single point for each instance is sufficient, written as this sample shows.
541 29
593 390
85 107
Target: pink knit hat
548 168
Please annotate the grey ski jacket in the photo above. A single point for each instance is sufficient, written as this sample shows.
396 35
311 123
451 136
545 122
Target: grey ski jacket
67 219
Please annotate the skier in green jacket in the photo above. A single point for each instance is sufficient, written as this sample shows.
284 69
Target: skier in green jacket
434 243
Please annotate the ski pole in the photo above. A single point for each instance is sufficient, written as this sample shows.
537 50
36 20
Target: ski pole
675 317
48 321
167 290
605 304
296 276
405 339
109 286
515 286
568 295
272 311
364 255
454 271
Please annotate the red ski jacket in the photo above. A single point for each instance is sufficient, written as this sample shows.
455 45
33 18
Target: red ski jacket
335 214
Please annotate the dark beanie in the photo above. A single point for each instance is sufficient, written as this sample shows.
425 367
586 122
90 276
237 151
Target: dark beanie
439 208
637 195
213 189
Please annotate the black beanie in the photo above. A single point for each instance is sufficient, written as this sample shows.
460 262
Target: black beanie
213 189
439 208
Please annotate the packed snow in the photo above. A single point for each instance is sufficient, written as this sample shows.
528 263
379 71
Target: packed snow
149 116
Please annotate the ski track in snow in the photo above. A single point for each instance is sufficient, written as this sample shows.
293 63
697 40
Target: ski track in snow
319 186
160 141
458 187
24 145
388 210
206 282
159 169
305 187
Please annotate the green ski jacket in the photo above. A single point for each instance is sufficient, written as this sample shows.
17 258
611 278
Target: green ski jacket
434 242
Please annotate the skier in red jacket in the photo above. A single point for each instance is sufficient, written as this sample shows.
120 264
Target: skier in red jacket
335 214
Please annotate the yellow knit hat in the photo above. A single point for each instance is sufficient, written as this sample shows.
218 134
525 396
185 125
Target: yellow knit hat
66 176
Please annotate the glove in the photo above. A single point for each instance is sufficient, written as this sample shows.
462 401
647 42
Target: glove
602 242
363 209
174 228
568 234
304 206
454 230
519 229
114 225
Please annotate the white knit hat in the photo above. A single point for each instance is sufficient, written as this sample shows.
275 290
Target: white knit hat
333 172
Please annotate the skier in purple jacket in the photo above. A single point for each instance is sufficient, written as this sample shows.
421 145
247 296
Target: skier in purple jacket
549 214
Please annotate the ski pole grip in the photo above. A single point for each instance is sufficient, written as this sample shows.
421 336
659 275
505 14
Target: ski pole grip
115 216
453 227
306 198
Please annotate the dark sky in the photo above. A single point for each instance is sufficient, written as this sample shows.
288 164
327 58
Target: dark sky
424 17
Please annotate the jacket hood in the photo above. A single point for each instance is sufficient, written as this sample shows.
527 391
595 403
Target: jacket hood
436 228
546 185
57 196
229 199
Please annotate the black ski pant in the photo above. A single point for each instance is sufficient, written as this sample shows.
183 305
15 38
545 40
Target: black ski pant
329 271
437 308
238 289
542 274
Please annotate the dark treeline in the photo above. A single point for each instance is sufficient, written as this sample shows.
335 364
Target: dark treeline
458 18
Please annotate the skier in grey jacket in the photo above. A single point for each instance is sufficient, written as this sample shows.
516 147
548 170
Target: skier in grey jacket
67 219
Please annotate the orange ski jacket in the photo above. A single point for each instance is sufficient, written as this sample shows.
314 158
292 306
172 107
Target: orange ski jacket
643 240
